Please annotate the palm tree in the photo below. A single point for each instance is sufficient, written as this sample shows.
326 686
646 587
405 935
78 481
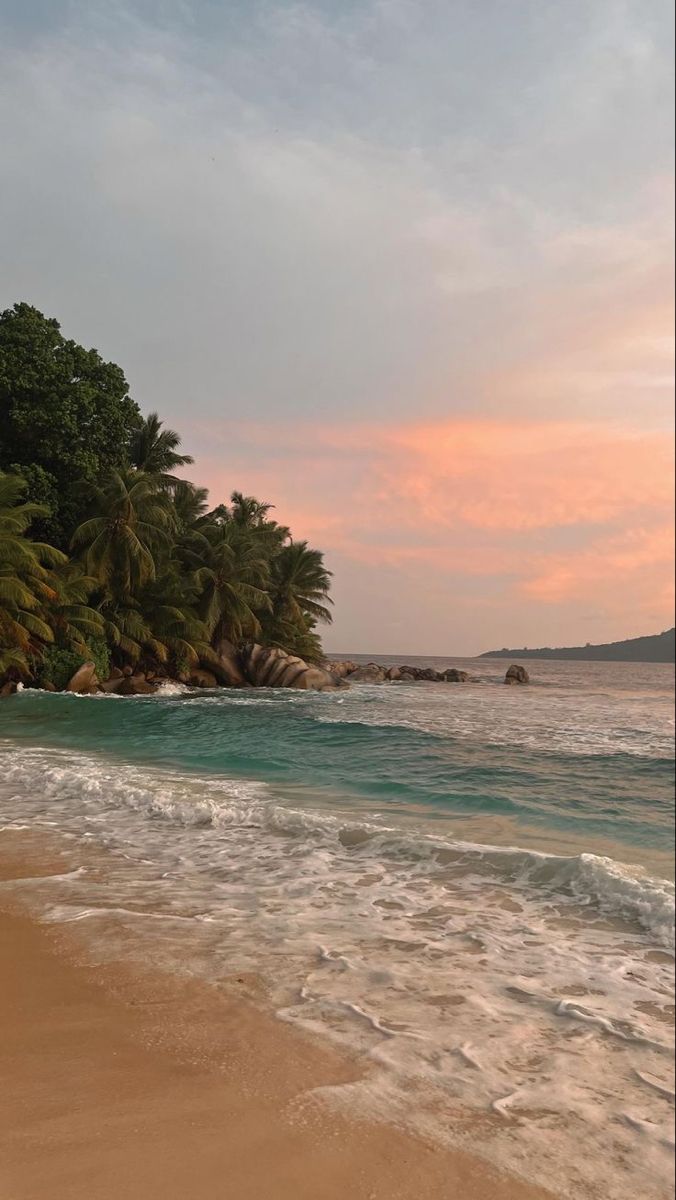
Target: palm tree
251 513
131 527
190 503
72 621
300 585
178 632
24 578
154 449
128 632
247 510
231 582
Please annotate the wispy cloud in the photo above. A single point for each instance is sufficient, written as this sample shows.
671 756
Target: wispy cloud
426 249
562 526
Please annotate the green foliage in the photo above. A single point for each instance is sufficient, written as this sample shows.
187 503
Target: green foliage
154 449
58 665
41 486
24 579
99 654
154 576
131 523
65 415
181 664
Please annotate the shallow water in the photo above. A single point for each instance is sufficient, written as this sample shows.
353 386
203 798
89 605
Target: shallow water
468 884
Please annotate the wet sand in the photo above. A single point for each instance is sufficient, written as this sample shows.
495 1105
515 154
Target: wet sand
121 1084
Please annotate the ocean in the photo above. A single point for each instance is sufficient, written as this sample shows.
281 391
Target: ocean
470 886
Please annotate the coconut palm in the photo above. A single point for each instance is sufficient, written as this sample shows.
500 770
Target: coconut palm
67 611
295 638
127 631
247 510
251 513
190 504
300 585
132 526
24 578
154 449
231 583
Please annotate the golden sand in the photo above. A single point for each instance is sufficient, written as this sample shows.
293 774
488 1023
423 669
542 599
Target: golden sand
120 1084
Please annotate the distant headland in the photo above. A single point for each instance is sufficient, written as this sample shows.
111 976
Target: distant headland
658 647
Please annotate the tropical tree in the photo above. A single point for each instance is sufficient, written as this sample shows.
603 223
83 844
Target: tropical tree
66 609
179 635
250 513
231 582
190 504
132 524
154 449
300 585
154 576
24 578
65 416
299 599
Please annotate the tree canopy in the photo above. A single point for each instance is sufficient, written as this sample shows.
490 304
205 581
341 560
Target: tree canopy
105 552
66 416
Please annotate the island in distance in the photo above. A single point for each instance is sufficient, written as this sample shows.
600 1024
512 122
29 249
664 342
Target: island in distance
658 647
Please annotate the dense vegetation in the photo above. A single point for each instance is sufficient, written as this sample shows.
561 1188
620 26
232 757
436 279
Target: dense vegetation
105 553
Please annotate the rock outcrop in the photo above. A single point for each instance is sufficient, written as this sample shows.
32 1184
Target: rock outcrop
517 674
135 685
84 680
201 678
340 669
110 686
268 666
371 673
227 667
374 673
129 685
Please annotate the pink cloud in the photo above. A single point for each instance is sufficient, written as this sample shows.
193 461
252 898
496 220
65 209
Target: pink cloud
528 517
636 564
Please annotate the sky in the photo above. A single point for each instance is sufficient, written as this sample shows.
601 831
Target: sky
403 269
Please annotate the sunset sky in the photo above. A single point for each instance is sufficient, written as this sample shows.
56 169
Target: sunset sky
402 268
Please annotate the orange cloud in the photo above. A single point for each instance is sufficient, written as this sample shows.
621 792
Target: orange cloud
518 475
531 516
638 560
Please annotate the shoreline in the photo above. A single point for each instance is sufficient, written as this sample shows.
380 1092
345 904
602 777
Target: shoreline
125 1082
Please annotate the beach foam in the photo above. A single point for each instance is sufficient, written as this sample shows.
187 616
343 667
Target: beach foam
527 988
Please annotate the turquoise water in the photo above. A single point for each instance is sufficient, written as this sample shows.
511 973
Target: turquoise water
585 753
466 884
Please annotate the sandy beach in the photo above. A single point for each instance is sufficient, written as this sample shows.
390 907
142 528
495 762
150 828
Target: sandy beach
120 1083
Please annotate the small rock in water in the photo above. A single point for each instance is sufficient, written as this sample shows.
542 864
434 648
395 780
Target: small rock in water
135 685
517 674
202 678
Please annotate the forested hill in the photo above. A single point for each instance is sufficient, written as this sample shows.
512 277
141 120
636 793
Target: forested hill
657 648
